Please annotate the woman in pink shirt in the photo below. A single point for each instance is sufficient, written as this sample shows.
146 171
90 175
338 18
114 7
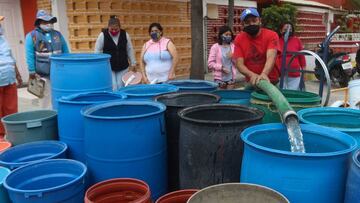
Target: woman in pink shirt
158 57
220 59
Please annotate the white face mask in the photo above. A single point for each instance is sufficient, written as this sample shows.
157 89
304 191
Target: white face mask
47 27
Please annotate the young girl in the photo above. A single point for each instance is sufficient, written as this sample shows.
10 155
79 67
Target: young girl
220 59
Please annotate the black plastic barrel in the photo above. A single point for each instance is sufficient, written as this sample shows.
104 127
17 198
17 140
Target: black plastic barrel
210 149
174 103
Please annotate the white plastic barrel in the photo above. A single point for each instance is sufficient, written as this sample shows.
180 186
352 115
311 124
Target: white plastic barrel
354 96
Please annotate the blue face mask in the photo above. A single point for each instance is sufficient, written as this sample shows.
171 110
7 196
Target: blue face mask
155 36
226 39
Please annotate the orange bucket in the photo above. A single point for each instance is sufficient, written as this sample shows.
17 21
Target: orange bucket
180 196
119 190
4 145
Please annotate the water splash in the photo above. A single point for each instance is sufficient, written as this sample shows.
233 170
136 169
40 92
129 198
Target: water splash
295 134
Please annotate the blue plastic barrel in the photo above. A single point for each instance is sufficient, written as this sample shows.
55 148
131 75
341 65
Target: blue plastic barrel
319 175
76 73
194 85
343 119
127 139
353 180
234 96
70 121
4 197
57 180
32 152
147 92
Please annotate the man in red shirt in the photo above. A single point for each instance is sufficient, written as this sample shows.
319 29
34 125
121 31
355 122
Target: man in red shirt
256 49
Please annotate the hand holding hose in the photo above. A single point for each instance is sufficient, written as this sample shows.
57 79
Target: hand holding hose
262 76
255 78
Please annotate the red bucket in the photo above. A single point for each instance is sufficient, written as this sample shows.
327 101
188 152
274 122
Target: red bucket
119 190
180 196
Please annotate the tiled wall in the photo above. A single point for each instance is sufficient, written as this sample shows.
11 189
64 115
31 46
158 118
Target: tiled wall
44 4
88 17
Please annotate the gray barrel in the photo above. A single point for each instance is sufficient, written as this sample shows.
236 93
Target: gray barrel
31 126
237 192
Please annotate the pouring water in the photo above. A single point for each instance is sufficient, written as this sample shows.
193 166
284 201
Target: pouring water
295 134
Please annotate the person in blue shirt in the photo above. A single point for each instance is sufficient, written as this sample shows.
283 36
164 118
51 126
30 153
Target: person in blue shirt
8 76
40 44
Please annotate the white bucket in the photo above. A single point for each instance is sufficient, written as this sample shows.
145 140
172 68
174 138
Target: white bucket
339 103
354 93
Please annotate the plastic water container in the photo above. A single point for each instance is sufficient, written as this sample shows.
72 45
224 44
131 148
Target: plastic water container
354 96
237 192
234 96
76 73
146 92
194 85
297 99
343 119
174 103
119 190
179 196
4 197
31 126
319 175
57 180
32 152
127 139
70 120
353 180
210 152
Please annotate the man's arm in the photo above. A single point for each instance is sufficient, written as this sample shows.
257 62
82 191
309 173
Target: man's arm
99 44
244 70
130 51
269 65
270 61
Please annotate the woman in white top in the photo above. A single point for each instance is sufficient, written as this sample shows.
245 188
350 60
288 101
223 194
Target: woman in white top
158 57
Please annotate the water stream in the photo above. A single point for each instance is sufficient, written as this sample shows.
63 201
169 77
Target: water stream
295 134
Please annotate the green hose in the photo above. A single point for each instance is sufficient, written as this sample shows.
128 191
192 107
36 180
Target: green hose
281 103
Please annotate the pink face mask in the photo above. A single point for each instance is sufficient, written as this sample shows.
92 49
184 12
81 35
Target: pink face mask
114 33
